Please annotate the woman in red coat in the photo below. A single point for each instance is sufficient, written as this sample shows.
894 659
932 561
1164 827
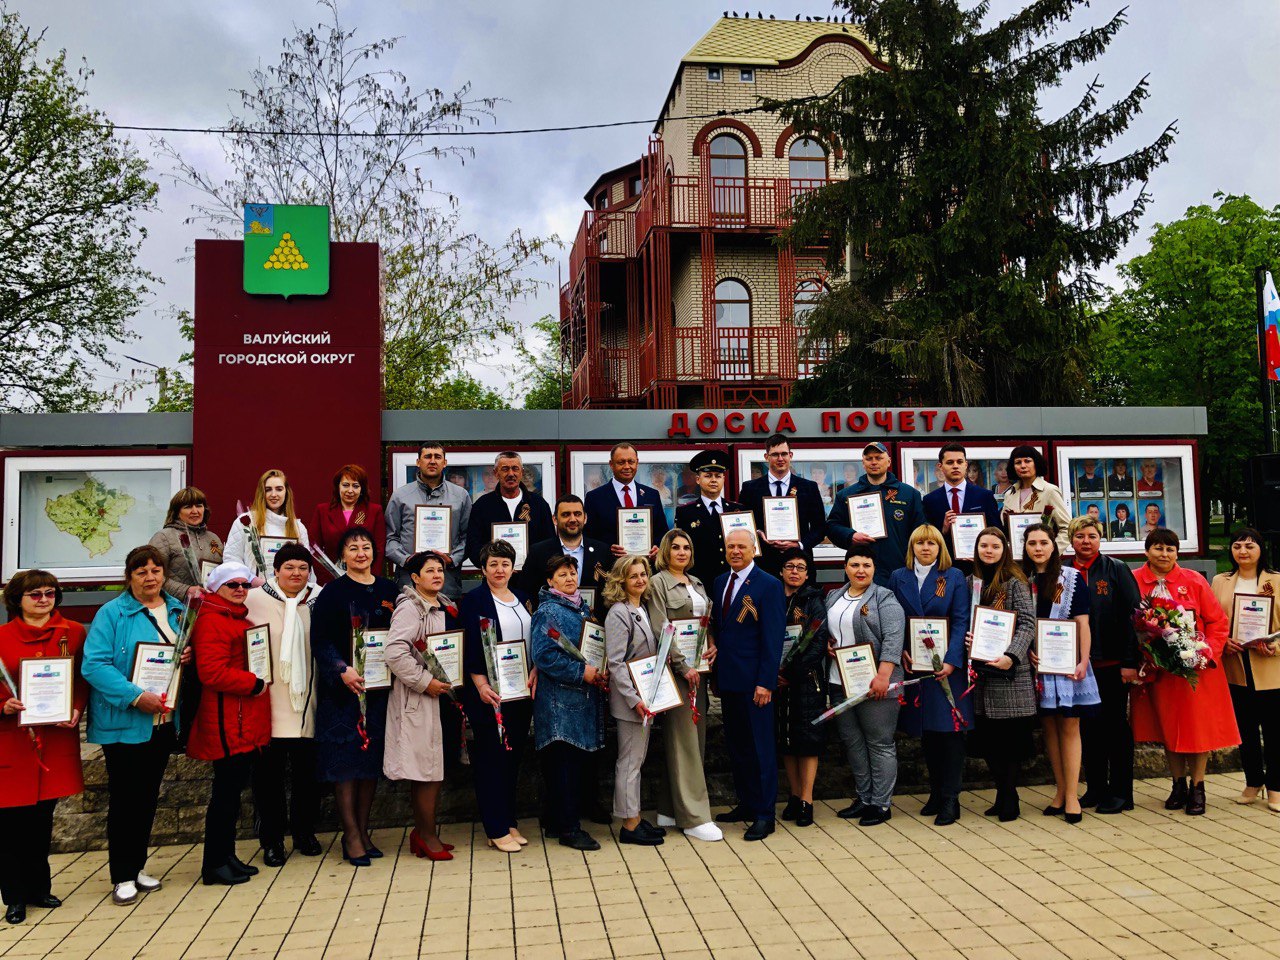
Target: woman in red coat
38 765
349 507
1188 721
233 722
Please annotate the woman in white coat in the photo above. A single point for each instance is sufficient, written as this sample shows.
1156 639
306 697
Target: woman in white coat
271 515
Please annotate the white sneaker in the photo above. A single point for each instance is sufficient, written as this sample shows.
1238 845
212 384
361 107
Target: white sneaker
705 831
147 884
124 893
665 821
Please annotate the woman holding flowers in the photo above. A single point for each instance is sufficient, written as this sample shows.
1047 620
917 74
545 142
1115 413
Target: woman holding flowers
414 748
676 594
41 764
350 719
566 708
1060 593
1183 703
186 539
493 613
271 514
801 693
1032 493
938 713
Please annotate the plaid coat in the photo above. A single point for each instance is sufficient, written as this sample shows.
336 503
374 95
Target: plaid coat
1004 694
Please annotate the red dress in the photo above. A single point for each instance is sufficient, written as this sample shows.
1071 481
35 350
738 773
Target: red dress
1169 710
328 525
22 781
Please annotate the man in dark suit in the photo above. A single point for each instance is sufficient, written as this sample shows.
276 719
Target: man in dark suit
509 502
700 519
748 615
958 495
903 512
779 481
622 491
594 558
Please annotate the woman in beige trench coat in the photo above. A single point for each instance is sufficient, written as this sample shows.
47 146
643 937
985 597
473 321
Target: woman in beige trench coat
413 748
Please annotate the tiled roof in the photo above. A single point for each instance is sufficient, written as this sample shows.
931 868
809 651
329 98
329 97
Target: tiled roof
763 42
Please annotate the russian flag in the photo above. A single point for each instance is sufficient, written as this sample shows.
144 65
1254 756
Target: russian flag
1271 328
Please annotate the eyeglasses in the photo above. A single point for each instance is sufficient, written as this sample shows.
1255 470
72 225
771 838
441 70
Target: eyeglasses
237 585
783 454
42 594
796 567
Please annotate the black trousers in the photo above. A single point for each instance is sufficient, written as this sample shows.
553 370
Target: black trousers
25 876
230 776
1258 717
494 769
944 759
1107 739
134 774
564 782
1004 743
588 787
293 760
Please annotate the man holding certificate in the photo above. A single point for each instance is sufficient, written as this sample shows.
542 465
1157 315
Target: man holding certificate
782 525
960 509
510 513
429 489
749 617
644 513
888 523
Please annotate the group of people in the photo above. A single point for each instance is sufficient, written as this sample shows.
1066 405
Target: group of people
352 691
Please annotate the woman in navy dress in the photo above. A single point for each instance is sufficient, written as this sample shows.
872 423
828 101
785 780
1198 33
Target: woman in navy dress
929 586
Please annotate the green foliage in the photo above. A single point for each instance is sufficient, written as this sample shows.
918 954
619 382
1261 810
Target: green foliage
1183 330
174 390
544 368
70 192
982 222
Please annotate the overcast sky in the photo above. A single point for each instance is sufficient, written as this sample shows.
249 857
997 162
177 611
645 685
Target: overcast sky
1213 67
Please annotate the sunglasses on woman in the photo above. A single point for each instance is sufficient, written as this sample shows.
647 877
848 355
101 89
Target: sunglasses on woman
42 594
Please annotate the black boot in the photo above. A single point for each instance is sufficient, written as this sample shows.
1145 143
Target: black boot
931 806
1178 795
792 809
948 812
1195 800
226 875
805 817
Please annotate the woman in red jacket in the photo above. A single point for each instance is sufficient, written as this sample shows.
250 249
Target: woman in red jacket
38 765
233 722
349 507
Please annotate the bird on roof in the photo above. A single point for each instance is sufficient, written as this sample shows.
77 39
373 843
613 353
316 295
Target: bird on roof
725 14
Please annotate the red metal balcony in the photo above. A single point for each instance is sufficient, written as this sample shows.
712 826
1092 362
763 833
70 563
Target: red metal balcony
603 236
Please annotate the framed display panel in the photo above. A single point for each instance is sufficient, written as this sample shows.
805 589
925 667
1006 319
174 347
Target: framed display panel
1134 487
918 464
831 468
79 516
472 469
666 469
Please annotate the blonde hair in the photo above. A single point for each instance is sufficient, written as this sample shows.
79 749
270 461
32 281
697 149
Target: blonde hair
1084 520
927 531
663 560
258 511
615 585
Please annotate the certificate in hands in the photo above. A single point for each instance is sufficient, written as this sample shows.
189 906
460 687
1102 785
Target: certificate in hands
992 633
516 534
668 697
964 533
446 647
432 529
635 530
858 667
511 660
781 518
740 520
1018 523
45 689
866 515
591 644
1057 646
257 645
686 641
377 676
270 547
920 629
1251 618
154 665
791 636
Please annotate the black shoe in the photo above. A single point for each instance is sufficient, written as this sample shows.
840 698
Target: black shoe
993 810
1091 799
653 831
47 902
805 817
758 830
636 836
736 815
1178 795
274 856
1073 817
239 866
1010 811
579 840
226 875
16 913
1112 805
307 846
792 809
948 813
875 816
931 806
1052 811
360 861
373 853
852 811
1195 800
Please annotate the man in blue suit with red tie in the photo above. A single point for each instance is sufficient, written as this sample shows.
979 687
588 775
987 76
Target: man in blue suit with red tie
957 495
748 611
622 492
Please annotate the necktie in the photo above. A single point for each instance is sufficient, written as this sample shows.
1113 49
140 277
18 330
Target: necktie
713 508
777 488
626 497
728 592
955 500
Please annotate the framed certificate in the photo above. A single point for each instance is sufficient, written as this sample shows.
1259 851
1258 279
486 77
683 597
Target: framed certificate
858 667
447 649
866 515
516 534
154 666
588 595
45 689
920 629
1018 523
1057 646
1251 617
740 520
686 641
642 674
794 631
511 661
206 567
591 644
635 529
377 676
781 518
964 534
432 529
257 645
992 633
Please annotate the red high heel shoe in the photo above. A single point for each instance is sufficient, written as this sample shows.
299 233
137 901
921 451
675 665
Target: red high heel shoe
420 849
414 838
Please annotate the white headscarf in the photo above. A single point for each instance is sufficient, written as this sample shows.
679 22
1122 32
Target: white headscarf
295 652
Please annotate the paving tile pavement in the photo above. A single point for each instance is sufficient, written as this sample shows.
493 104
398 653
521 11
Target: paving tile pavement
1137 885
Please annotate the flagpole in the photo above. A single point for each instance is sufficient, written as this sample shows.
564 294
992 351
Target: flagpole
1264 380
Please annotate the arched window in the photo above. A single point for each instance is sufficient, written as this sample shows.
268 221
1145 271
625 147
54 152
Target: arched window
728 175
807 160
808 356
733 330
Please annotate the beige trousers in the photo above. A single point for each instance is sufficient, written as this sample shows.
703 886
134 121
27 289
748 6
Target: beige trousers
683 794
633 744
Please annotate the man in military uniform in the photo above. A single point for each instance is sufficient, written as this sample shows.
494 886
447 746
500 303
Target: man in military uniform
701 518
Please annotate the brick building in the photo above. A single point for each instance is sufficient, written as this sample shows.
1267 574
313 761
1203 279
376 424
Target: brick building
678 295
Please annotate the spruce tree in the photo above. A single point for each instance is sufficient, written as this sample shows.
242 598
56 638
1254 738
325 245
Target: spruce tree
977 224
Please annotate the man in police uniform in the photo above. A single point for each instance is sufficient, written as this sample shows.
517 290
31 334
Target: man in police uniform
700 519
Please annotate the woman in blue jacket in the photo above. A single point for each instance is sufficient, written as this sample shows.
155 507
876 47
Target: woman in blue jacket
566 708
136 728
929 586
